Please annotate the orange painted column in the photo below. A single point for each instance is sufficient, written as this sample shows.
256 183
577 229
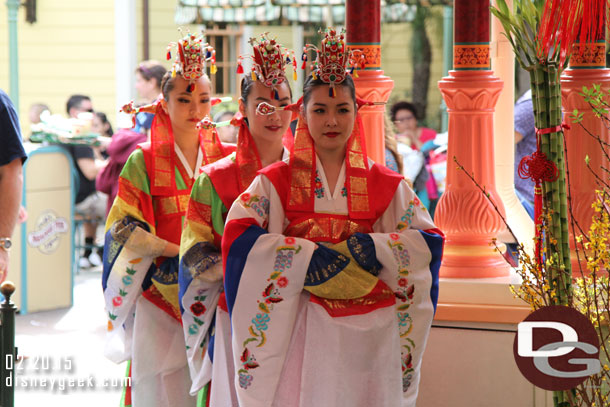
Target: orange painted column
586 68
363 32
470 91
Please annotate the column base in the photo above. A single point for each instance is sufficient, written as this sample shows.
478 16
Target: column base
473 261
465 262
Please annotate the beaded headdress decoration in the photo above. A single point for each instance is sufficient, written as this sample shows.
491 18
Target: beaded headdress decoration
269 62
193 53
333 59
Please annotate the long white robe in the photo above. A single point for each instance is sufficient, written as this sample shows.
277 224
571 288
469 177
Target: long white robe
289 350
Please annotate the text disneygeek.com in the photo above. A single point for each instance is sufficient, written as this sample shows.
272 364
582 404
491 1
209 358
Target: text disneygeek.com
54 374
65 384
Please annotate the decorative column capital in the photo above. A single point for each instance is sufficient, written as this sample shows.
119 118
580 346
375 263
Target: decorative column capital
463 90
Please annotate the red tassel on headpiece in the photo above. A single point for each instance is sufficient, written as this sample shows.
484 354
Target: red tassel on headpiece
190 88
240 69
169 55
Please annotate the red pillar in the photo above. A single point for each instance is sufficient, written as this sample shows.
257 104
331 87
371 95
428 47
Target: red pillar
470 92
586 68
363 32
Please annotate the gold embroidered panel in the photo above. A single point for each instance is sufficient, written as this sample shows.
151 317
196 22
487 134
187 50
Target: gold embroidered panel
327 229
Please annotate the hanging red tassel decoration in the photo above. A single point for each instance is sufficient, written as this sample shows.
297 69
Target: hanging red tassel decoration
240 69
563 21
190 88
169 54
538 168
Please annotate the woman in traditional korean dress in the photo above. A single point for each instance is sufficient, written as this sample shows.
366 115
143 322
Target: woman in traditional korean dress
140 278
204 312
331 264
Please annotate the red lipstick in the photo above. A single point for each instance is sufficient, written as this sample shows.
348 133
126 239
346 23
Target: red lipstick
331 134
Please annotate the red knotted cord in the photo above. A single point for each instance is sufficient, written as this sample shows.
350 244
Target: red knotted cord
538 168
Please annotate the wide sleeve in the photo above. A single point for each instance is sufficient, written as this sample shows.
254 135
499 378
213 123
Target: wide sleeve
264 274
410 248
200 274
129 250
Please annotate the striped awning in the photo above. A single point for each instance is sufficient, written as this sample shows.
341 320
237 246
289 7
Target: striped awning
302 11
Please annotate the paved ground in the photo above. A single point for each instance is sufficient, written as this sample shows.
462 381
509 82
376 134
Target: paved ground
65 366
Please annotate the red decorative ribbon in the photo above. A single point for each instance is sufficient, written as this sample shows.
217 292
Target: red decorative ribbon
555 129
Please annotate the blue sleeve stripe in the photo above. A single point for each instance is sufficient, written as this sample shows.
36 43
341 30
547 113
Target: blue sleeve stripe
435 245
212 340
236 261
108 262
184 280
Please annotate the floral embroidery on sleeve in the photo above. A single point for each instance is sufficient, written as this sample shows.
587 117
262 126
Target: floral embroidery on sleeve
198 309
117 301
404 293
270 296
407 218
258 204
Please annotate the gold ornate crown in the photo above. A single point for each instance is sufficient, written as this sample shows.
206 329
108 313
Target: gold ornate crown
193 53
333 59
269 62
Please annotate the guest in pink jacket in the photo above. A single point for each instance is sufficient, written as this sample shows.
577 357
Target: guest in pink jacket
123 143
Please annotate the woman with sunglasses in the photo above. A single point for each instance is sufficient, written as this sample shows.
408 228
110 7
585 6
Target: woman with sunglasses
205 318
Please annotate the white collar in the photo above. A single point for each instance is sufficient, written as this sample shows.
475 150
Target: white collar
185 163
340 180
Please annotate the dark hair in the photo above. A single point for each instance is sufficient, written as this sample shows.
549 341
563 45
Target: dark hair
151 70
246 87
167 83
311 83
104 119
402 105
75 101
